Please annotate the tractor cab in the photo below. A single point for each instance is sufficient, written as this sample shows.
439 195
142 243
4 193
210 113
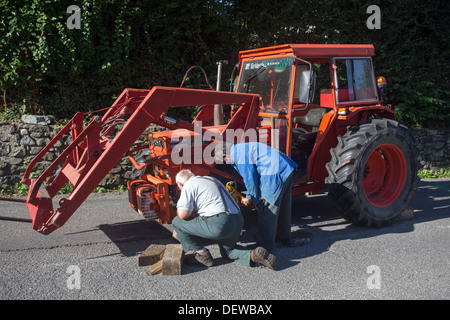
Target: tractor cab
303 86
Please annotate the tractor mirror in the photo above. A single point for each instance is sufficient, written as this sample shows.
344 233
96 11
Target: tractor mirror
234 84
307 86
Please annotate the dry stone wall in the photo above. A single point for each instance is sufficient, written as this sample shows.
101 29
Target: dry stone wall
433 147
21 141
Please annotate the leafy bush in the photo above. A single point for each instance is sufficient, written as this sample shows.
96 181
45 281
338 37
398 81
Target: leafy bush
47 68
434 174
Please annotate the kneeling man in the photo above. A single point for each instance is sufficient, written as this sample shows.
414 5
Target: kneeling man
206 210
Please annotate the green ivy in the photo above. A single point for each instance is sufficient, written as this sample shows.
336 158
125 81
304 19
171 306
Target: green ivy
434 174
20 189
47 68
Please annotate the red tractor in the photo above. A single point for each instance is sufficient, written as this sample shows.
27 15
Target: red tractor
319 104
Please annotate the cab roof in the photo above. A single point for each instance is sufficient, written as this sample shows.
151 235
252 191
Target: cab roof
311 51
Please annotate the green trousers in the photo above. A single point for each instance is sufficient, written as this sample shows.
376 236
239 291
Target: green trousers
221 228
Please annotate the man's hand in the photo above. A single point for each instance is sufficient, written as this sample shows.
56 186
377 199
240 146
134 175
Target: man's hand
246 202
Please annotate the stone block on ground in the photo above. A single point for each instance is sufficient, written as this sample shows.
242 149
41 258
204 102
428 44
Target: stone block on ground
165 259
151 255
172 259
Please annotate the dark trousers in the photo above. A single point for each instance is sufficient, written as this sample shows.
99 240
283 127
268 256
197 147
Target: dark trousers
274 220
222 228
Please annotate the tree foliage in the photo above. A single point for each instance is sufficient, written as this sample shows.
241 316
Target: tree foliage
47 68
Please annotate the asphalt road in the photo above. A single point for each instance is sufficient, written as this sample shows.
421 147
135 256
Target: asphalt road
95 256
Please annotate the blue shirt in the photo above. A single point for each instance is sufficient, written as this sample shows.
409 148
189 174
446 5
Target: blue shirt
263 169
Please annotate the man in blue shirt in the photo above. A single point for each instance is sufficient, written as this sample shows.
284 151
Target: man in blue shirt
267 175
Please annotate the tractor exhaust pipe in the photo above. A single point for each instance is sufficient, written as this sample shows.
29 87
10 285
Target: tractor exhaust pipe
218 109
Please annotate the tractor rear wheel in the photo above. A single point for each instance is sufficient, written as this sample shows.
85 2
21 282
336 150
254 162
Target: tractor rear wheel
373 172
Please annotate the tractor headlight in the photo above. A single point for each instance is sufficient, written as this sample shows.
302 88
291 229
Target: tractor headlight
166 174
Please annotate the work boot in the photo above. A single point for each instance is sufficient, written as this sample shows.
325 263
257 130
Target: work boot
261 256
197 259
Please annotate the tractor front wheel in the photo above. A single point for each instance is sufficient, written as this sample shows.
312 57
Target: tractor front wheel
373 172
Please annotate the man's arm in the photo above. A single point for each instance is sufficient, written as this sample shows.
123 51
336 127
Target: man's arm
250 176
183 214
185 204
244 162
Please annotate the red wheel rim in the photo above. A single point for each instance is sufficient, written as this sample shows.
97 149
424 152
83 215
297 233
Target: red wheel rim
384 175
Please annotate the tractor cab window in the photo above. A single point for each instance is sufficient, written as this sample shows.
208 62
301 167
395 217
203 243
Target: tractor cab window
298 73
355 80
271 79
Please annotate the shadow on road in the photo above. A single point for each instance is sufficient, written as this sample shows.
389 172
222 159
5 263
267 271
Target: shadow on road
314 214
133 237
317 216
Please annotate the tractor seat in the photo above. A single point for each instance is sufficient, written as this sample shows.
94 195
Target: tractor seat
302 138
312 118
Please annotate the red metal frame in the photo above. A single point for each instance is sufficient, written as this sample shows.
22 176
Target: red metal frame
92 153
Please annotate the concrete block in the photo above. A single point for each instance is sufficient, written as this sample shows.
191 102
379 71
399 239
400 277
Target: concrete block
151 255
171 261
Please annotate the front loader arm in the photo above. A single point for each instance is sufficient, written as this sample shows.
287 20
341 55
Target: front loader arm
95 150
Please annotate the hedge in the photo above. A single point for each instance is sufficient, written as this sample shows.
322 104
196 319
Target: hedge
47 68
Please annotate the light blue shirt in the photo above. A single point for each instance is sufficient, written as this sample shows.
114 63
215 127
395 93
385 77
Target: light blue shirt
263 169
203 196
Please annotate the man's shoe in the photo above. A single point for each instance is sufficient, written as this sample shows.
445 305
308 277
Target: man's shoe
200 259
261 256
